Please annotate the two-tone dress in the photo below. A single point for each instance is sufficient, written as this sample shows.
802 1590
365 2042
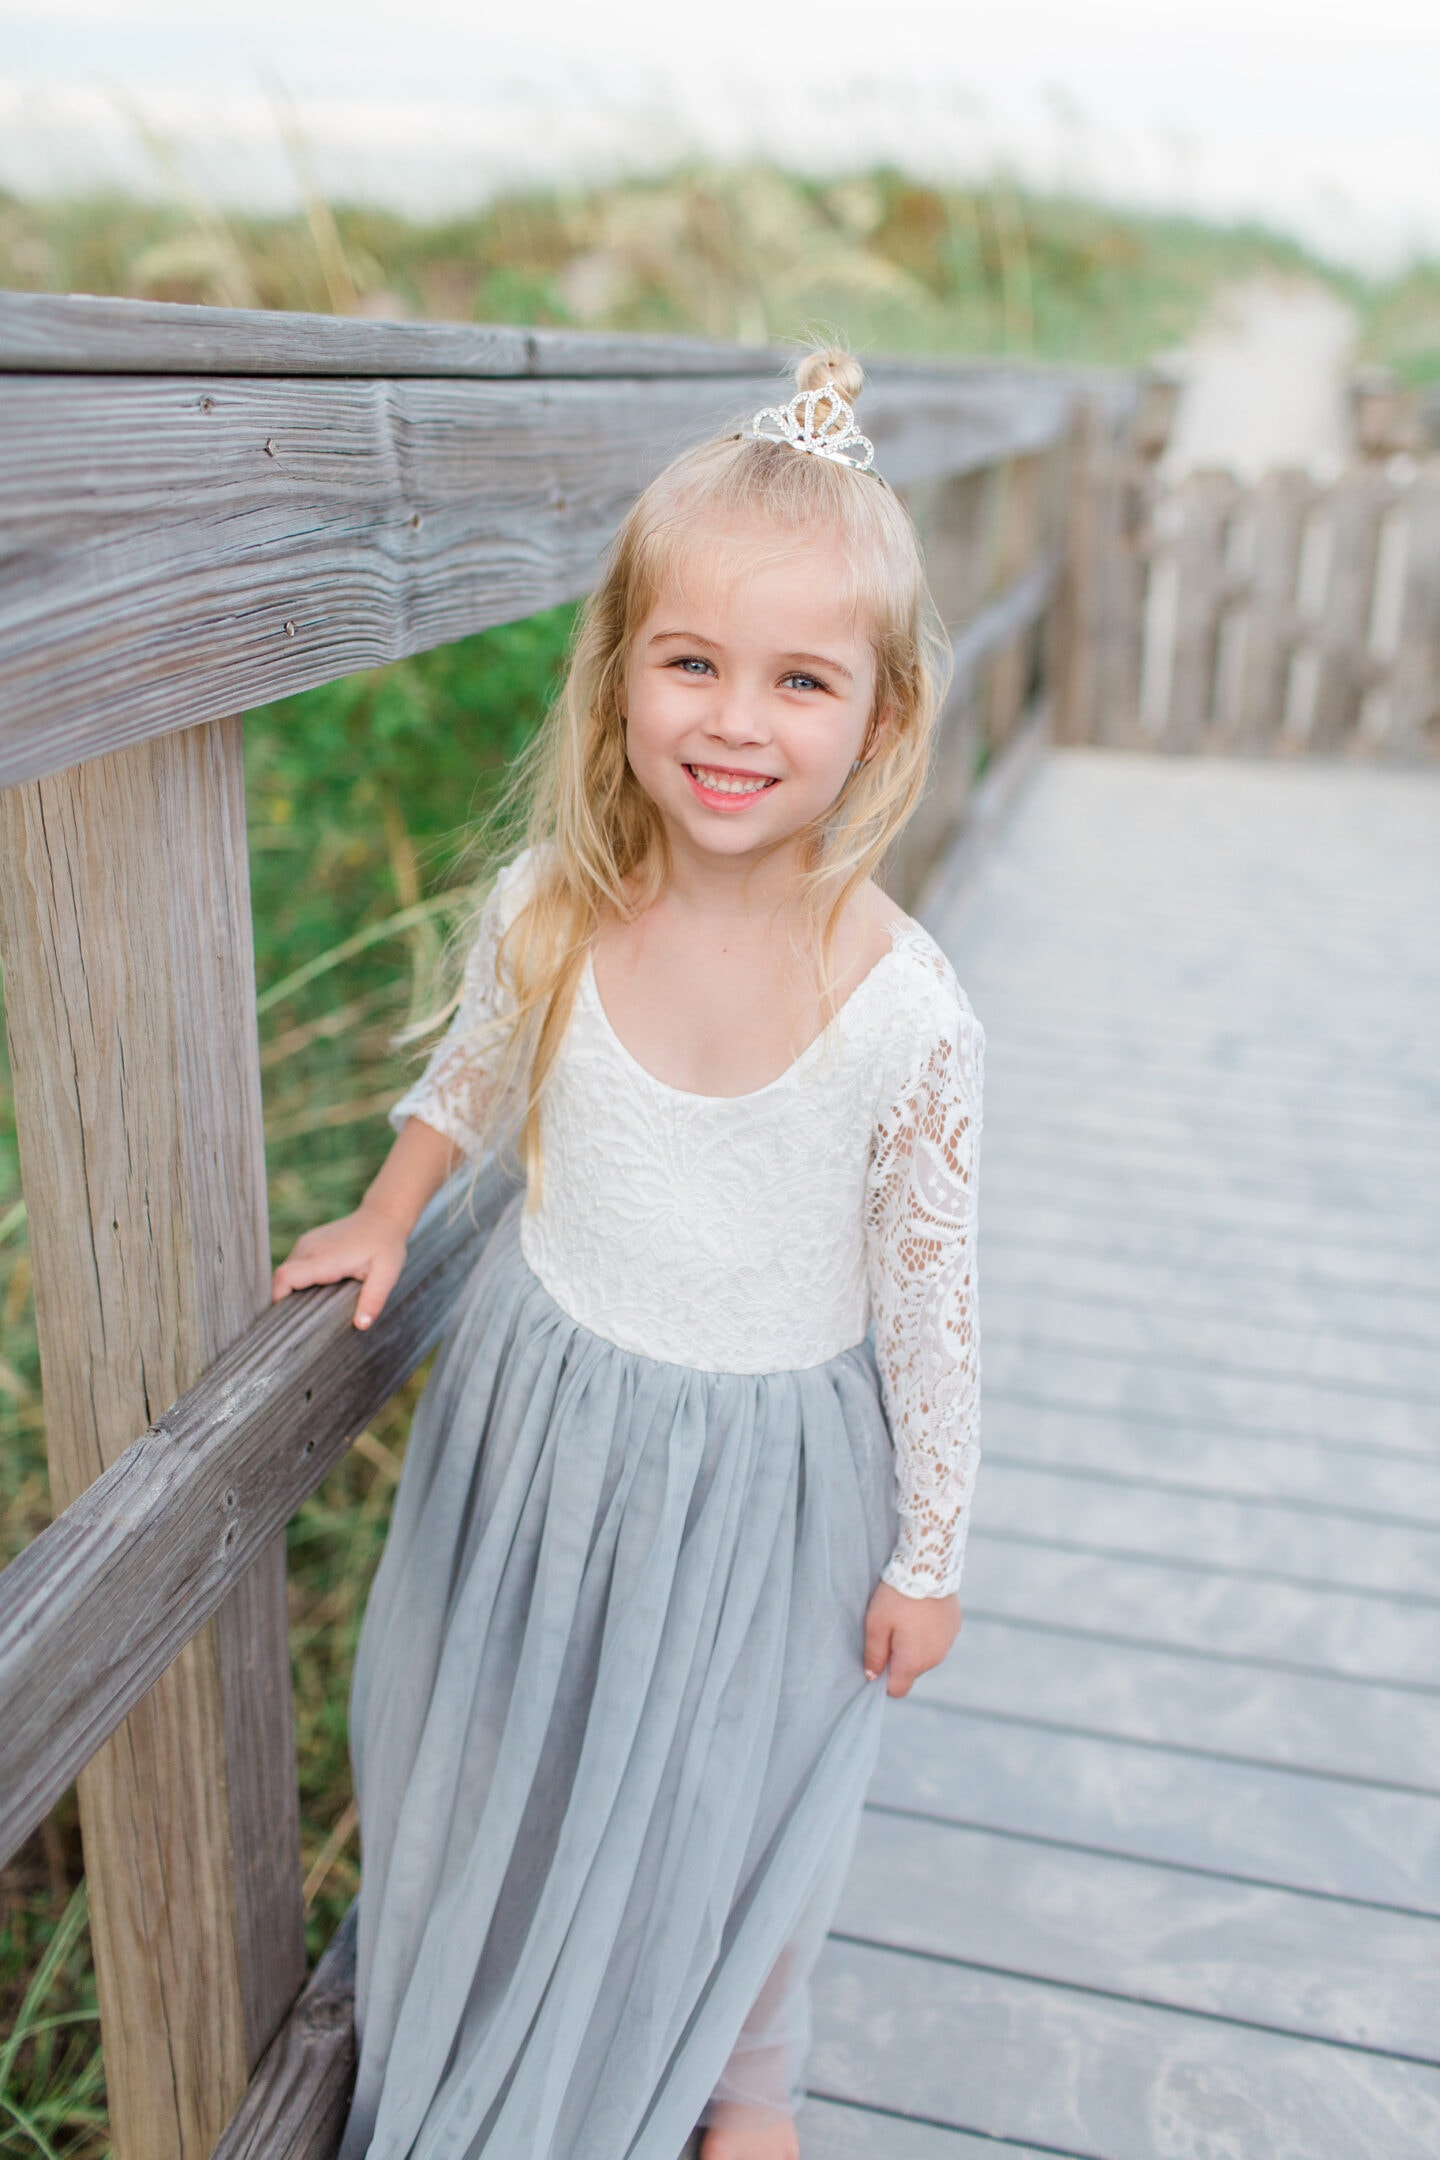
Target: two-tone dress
610 1726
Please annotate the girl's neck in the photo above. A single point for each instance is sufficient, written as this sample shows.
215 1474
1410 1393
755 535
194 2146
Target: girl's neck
759 891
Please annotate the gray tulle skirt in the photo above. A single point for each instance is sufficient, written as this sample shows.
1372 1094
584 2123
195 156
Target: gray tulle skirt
611 1735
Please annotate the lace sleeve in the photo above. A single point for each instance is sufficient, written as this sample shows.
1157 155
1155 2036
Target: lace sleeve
920 1228
456 1092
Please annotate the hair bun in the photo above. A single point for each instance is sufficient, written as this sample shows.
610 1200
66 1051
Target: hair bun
832 364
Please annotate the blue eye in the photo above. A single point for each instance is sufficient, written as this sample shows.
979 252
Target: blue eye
689 661
806 682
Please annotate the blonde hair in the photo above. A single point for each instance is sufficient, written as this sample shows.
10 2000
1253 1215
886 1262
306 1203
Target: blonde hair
599 841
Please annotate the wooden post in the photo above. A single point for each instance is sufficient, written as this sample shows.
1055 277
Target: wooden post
130 1008
1102 610
1280 504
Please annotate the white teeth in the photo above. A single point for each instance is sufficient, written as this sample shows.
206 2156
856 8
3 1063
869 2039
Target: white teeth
728 783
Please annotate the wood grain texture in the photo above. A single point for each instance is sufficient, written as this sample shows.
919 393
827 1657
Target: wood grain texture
81 333
178 549
1253 1535
1328 1357
296 2104
1208 1606
1243 1821
950 800
96 1607
829 2131
129 1005
1049 1668
1007 2056
1336 1482
1319 1968
1238 1402
1287 614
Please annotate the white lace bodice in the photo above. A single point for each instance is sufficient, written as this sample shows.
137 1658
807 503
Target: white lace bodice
762 1232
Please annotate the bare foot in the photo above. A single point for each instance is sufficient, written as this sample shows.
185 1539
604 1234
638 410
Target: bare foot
739 2133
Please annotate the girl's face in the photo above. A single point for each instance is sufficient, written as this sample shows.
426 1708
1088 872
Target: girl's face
749 694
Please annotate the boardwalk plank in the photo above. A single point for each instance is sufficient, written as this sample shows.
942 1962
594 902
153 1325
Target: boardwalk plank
1316 1355
1205 1608
1082 1272
1237 1401
1219 1123
1083 2074
1087 1185
1316 1967
831 2132
1192 1459
1212 1256
1080 1680
1250 1535
1223 1069
1331 1836
1338 1183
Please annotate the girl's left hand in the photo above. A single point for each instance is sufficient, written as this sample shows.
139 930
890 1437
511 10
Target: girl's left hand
909 1634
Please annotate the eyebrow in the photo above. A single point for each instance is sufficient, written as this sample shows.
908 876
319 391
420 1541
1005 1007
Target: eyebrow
695 637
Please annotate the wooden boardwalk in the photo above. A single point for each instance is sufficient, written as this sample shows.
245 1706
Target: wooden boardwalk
1152 1866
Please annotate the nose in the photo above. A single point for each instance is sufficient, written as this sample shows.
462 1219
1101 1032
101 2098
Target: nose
737 718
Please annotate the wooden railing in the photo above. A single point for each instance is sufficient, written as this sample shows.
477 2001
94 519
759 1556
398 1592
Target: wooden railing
201 511
1292 614
1295 614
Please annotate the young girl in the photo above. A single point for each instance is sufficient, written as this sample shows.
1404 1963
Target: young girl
668 1515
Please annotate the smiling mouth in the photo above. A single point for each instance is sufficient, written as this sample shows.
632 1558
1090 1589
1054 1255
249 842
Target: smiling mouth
714 780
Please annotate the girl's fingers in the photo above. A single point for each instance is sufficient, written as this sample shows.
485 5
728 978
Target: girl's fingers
303 1274
903 1676
877 1644
380 1280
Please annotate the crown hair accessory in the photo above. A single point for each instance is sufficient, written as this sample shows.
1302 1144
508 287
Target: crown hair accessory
835 437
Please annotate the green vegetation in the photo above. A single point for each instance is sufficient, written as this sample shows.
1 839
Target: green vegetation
363 794
751 253
1401 325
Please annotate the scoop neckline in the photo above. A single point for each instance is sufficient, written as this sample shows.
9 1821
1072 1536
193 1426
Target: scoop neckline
904 930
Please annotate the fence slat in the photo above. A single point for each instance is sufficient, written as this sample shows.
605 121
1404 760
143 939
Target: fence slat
1355 504
1293 614
96 1607
1207 502
130 1008
179 550
1414 706
995 629
295 2108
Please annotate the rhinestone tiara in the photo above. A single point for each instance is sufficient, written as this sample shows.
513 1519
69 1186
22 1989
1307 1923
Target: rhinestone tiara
835 437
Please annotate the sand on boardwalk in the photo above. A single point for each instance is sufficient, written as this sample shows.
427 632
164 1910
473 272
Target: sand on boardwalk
1264 383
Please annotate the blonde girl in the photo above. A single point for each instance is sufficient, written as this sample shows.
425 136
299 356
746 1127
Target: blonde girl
686 1493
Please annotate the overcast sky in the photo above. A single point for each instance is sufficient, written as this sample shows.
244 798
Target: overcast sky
1326 119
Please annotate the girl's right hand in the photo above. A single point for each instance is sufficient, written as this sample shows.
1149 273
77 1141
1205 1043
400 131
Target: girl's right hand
368 1245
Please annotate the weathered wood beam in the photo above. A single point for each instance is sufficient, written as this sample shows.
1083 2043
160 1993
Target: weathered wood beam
176 550
130 1010
1008 616
1005 618
97 1606
81 333
295 2107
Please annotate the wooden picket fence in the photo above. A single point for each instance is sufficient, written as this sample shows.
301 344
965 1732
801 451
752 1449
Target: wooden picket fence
203 511
1285 615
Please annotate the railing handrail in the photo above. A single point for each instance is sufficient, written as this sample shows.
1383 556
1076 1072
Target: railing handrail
95 1607
90 334
192 534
